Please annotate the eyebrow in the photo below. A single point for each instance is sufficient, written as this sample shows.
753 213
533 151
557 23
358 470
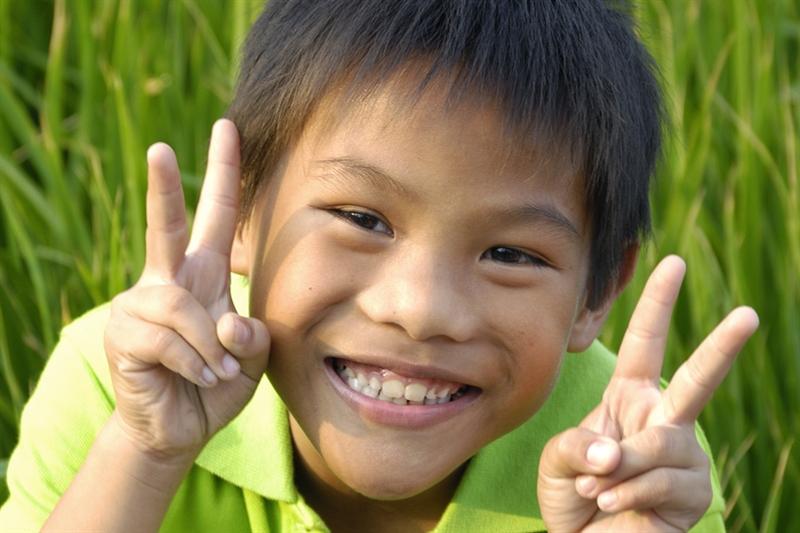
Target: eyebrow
540 213
345 167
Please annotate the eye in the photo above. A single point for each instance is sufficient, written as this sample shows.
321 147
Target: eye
512 256
363 220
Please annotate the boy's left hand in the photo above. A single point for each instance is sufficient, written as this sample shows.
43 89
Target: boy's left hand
634 463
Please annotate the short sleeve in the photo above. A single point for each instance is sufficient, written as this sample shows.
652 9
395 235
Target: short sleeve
69 405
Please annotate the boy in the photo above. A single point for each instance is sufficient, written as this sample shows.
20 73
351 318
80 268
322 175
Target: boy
437 200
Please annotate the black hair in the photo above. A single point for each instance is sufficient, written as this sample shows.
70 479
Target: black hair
571 70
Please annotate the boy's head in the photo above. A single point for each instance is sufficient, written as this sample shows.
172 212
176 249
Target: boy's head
570 72
442 194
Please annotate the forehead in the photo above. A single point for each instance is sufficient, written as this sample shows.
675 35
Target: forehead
428 137
408 99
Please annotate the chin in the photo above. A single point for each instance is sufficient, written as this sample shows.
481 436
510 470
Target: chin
388 471
383 486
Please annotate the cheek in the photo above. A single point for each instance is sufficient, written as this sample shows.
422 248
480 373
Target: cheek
309 280
535 330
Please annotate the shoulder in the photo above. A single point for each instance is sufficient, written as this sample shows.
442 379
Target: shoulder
84 337
72 400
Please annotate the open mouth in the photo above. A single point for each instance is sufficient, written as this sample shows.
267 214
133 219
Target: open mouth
388 386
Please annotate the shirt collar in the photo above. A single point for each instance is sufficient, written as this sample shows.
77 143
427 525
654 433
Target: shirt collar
254 450
498 490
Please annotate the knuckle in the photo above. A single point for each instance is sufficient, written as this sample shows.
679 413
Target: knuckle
654 493
110 338
661 293
697 376
566 442
660 441
229 201
114 336
572 444
671 408
119 304
704 496
123 365
643 333
163 340
665 485
702 460
175 300
189 366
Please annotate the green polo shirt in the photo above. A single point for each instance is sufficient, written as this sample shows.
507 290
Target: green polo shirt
244 480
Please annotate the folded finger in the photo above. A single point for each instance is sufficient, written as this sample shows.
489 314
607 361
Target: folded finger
167 234
176 308
696 380
687 491
152 344
654 447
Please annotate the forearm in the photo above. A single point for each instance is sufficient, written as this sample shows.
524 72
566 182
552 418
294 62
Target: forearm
119 487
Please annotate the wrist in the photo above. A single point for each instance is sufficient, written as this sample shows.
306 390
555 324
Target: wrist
123 482
155 467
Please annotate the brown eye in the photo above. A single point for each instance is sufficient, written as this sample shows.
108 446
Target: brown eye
363 220
512 256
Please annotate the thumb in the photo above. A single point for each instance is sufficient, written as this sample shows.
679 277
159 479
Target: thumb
248 340
565 458
579 451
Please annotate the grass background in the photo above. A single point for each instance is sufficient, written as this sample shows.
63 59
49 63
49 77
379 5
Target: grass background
87 85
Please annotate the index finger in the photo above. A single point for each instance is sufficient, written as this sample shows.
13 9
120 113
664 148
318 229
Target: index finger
215 221
641 354
166 235
696 380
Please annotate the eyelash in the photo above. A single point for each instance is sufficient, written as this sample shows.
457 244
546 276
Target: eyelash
369 222
365 221
523 258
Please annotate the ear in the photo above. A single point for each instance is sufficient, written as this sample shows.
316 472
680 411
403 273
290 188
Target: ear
240 252
589 322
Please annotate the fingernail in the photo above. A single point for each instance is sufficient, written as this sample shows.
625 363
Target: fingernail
586 484
230 365
241 331
208 377
600 453
607 500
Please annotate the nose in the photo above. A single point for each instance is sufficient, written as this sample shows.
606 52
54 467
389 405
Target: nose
422 294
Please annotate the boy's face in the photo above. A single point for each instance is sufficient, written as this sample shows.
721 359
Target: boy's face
415 247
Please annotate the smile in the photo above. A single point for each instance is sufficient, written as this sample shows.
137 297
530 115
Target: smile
385 385
384 397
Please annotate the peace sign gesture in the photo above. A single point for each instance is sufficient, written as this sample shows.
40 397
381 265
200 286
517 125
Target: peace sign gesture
634 464
183 363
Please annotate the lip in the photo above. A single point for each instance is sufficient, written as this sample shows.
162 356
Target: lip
400 416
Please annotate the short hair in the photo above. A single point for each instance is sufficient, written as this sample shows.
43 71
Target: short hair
572 70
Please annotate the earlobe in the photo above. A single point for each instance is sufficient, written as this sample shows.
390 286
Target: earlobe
240 258
590 321
587 326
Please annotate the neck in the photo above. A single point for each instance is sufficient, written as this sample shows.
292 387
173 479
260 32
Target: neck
344 509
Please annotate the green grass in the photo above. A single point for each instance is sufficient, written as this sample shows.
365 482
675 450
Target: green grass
86 86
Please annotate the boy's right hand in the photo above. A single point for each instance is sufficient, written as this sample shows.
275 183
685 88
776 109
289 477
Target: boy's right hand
183 363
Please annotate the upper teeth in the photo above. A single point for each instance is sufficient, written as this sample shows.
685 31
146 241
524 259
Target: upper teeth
394 390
